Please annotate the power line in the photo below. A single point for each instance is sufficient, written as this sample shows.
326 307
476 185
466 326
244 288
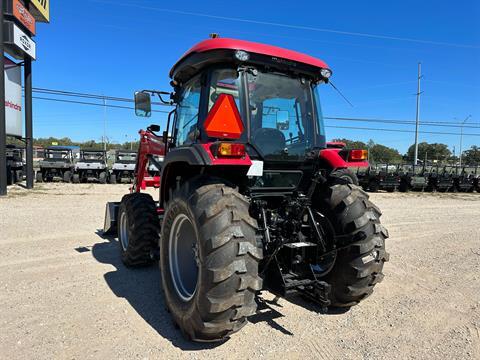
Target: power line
87 95
397 130
289 26
403 122
94 104
122 99
383 121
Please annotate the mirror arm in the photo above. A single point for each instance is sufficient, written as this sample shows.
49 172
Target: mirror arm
159 94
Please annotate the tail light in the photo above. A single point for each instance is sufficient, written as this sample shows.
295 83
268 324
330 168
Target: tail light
228 150
358 155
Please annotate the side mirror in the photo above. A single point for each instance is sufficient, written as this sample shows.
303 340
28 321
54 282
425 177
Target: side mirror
143 104
283 121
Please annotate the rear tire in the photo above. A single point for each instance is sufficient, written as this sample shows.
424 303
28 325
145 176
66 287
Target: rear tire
138 229
113 179
67 176
359 263
403 186
373 186
217 301
39 177
10 179
76 179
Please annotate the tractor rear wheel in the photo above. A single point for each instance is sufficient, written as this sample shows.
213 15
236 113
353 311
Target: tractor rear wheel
138 229
209 258
361 255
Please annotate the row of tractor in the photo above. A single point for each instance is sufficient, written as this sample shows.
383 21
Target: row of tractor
407 177
59 164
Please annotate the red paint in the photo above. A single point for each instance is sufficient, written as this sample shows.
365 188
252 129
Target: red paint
150 181
150 144
252 47
223 120
245 161
333 158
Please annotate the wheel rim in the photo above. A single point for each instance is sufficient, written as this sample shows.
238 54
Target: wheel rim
123 231
183 257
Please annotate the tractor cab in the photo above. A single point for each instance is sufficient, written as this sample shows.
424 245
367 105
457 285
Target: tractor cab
248 111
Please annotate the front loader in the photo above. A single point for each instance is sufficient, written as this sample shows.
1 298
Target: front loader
249 199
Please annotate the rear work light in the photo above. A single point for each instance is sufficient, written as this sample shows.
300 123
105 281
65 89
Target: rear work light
358 155
228 150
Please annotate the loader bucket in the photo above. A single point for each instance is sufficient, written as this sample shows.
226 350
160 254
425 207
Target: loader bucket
111 214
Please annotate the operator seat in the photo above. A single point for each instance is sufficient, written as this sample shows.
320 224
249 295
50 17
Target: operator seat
269 141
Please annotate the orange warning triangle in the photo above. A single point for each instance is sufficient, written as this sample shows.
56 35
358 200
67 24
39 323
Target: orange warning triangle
223 120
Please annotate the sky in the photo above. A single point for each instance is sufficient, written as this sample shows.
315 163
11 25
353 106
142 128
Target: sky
373 47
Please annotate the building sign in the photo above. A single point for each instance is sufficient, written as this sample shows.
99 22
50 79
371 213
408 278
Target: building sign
18 43
16 9
40 10
13 98
22 14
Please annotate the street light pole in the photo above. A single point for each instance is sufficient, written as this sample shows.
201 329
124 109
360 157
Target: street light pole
461 137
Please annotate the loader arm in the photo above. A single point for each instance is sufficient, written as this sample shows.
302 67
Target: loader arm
150 144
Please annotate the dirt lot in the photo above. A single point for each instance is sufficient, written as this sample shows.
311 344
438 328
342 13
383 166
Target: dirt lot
65 294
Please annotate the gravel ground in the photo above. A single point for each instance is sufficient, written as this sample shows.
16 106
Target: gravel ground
65 294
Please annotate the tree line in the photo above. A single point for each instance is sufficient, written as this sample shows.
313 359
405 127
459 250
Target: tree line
66 141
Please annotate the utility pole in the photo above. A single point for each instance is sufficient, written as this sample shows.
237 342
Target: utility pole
3 125
415 158
104 123
461 137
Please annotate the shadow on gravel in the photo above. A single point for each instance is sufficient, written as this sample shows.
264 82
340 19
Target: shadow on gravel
141 288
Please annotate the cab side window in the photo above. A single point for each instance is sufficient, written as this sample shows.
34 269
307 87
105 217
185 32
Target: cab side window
187 113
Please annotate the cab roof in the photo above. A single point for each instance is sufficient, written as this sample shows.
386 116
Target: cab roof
213 51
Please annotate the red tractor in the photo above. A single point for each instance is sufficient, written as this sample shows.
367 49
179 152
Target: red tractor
250 197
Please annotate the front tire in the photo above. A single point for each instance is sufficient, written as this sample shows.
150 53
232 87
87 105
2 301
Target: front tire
361 255
138 229
102 177
210 282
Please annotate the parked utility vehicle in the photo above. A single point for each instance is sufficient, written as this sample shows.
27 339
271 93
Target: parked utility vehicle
248 200
15 164
92 166
57 165
124 166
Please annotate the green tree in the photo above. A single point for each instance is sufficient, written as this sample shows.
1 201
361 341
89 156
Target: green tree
471 156
352 144
434 151
383 154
